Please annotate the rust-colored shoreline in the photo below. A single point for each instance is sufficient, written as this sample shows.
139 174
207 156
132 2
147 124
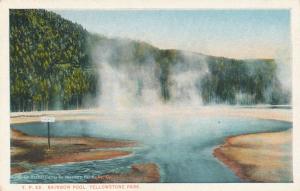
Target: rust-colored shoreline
34 150
259 157
231 164
141 173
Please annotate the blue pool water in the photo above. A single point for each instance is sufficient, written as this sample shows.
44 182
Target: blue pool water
181 147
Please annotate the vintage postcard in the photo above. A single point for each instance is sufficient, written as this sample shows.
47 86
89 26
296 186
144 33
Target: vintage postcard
108 95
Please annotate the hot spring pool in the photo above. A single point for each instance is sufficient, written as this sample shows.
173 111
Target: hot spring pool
181 147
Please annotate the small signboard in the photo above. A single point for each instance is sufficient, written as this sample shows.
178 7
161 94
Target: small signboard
48 119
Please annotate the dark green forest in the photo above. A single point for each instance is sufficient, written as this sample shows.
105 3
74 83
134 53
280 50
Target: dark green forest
52 67
49 62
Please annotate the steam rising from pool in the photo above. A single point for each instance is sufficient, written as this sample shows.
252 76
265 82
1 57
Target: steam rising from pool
128 85
191 80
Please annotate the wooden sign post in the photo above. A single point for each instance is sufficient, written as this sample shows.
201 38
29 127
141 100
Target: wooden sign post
48 120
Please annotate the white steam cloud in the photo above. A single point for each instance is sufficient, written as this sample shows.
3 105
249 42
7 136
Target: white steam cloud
125 85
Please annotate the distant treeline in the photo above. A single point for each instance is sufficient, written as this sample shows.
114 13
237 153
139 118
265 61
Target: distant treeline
52 67
243 82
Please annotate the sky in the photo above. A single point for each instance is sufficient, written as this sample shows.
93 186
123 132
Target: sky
228 33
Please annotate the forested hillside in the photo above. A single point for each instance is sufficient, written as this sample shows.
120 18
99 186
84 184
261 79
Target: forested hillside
54 64
49 62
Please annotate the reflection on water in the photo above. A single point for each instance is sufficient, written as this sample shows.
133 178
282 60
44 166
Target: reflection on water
181 147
